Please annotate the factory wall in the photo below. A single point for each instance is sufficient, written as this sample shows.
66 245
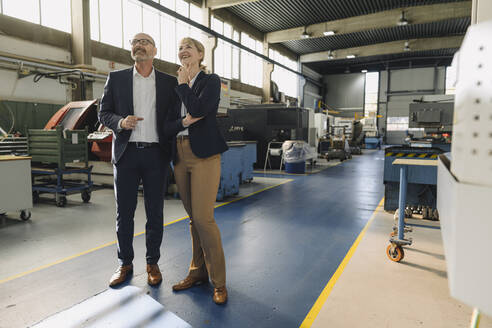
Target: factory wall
345 93
23 88
311 92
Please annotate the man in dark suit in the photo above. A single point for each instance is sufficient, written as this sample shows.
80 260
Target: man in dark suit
135 105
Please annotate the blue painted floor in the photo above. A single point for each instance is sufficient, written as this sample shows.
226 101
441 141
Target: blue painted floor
281 246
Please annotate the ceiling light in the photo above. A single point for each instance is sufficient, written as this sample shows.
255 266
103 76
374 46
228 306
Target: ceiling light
402 21
364 71
350 56
331 54
407 47
305 35
328 33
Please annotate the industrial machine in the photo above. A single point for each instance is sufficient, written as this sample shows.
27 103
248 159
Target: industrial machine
269 122
436 118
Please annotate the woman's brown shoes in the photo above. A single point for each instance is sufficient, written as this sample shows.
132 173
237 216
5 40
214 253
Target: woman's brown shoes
220 294
189 282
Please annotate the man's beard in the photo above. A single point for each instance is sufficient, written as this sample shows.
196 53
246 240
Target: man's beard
140 56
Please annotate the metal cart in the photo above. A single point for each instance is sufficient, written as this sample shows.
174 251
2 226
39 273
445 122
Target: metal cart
394 251
51 151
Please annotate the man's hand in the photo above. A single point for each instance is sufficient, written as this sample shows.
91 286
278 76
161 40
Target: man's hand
130 122
189 120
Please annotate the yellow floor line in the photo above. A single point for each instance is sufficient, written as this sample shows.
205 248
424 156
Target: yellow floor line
135 235
313 313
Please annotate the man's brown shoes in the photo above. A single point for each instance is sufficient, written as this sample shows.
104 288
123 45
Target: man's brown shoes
220 295
121 275
154 274
189 282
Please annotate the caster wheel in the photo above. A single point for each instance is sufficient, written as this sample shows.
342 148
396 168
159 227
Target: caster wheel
25 215
61 201
395 253
86 196
35 197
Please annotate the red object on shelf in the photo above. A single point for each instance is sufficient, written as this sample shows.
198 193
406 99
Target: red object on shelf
74 115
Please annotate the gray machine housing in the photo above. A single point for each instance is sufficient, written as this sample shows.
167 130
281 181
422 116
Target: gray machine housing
434 117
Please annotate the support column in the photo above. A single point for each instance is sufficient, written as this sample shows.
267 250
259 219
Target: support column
481 11
267 74
81 45
210 42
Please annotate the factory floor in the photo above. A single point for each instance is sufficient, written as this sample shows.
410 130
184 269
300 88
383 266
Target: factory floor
300 249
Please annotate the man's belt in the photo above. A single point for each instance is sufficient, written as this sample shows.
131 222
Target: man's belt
141 144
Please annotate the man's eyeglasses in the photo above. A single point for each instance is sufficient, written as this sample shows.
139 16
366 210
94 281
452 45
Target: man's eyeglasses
143 42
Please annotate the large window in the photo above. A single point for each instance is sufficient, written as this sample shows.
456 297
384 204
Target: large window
286 81
371 94
115 22
223 51
251 65
235 56
110 23
397 123
51 13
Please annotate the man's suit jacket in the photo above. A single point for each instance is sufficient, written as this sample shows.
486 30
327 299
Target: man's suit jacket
117 103
202 100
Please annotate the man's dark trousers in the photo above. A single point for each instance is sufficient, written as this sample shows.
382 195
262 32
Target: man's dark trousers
150 166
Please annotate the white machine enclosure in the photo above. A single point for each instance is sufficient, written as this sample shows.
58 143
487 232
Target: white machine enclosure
464 192
472 129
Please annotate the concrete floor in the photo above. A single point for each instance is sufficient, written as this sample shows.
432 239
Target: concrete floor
376 292
43 271
54 234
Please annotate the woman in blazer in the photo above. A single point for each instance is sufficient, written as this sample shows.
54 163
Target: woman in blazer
199 144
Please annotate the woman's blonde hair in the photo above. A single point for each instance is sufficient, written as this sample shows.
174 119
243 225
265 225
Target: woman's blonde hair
199 46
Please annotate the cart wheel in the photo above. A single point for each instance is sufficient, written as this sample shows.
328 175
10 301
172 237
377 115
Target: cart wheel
395 253
86 196
25 215
61 201
35 197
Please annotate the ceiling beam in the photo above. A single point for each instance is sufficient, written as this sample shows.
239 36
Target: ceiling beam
386 48
383 19
216 4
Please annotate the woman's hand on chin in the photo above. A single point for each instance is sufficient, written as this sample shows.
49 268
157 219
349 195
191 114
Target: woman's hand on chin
183 75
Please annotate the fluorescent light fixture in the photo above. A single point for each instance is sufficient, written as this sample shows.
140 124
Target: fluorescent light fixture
328 33
406 47
350 56
364 71
305 35
402 21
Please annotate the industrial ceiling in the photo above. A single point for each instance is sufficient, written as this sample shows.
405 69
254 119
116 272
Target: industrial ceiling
374 34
